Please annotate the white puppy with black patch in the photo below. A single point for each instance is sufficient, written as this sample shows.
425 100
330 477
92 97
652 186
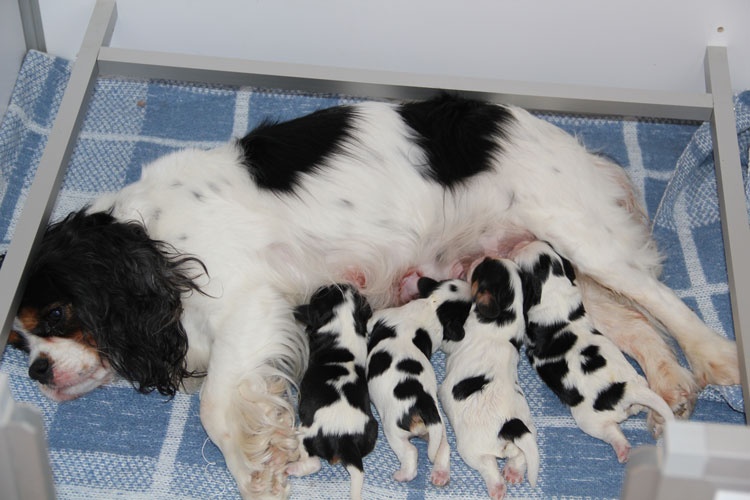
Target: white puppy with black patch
585 369
480 393
336 420
401 379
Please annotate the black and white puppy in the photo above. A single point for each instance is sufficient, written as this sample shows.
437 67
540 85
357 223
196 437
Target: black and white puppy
336 421
585 369
480 394
401 379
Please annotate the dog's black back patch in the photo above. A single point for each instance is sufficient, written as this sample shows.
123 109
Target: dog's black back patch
608 398
591 359
410 366
468 386
459 136
379 363
513 429
552 374
380 332
276 154
577 313
422 341
424 407
356 392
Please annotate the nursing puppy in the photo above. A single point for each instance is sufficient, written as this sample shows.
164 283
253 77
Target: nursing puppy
336 422
401 379
480 393
586 370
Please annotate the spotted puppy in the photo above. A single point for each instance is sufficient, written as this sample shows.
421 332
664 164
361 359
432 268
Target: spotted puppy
401 379
336 421
585 369
480 393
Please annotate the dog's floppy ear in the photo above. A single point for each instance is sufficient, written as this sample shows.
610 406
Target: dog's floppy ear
532 290
453 315
568 269
487 306
126 290
426 286
313 316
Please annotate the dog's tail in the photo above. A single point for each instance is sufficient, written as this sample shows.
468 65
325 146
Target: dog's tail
527 444
641 394
517 432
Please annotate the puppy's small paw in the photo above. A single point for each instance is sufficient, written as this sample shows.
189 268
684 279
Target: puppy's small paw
440 477
404 476
623 451
512 475
497 491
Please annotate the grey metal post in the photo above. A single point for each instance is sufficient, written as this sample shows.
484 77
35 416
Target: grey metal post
732 205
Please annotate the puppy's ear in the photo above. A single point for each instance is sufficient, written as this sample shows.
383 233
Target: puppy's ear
568 269
362 314
16 340
452 316
487 306
532 290
302 314
313 315
126 290
426 286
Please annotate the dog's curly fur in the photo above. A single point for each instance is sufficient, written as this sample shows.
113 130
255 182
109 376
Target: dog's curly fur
218 247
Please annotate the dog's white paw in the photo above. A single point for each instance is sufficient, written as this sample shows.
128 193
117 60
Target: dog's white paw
440 477
715 362
677 386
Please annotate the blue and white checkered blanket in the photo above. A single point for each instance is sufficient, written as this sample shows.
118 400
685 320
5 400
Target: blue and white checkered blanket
116 443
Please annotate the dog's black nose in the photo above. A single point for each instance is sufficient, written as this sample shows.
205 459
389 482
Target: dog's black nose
41 370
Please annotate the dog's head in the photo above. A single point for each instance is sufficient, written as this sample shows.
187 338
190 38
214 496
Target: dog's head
451 300
102 298
543 268
326 302
495 286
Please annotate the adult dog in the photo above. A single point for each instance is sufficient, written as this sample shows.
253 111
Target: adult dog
196 268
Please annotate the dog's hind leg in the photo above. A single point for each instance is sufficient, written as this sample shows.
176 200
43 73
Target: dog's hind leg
406 453
487 467
597 426
712 358
439 453
357 478
633 333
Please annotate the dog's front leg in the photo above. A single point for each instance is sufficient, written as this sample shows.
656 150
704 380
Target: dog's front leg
245 401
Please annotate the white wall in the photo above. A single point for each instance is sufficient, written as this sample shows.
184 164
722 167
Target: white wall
12 49
651 44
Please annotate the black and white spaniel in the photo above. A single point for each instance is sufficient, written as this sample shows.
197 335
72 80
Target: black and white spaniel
581 366
196 268
336 420
401 379
481 394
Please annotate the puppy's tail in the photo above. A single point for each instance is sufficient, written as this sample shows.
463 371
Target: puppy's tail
527 444
641 394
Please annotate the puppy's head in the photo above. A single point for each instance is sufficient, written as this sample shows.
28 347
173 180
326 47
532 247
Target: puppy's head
101 299
325 304
542 267
451 300
495 285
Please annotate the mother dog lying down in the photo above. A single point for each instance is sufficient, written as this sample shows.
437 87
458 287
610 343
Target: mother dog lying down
195 269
